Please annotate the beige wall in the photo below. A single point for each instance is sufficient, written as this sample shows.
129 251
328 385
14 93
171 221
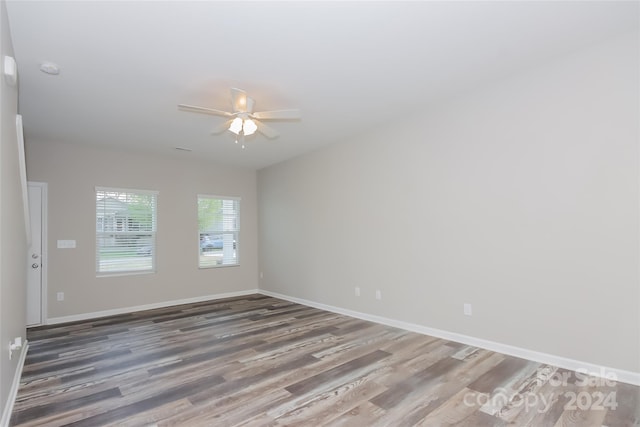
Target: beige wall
72 173
521 199
13 245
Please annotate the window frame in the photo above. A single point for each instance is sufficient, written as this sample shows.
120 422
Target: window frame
236 231
119 224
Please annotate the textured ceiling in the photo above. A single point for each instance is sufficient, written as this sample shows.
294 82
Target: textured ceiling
349 66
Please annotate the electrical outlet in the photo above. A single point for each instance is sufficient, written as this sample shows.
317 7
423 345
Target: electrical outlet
357 291
378 294
467 309
14 345
60 296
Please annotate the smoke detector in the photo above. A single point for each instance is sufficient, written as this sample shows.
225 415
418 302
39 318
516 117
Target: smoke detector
50 68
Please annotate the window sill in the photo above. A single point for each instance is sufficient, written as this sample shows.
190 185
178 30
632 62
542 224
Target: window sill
218 266
124 273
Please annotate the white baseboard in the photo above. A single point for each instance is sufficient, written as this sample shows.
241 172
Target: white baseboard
105 313
563 362
13 391
628 377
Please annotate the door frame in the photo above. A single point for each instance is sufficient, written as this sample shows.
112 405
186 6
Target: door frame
44 258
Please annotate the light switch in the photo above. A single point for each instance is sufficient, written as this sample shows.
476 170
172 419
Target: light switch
467 309
66 244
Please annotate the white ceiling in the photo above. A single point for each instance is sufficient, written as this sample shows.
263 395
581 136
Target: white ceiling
349 66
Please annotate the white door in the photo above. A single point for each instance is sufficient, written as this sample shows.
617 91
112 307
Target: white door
34 261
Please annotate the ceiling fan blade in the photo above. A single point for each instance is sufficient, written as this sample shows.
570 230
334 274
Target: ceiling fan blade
238 100
250 104
277 115
267 131
203 110
221 128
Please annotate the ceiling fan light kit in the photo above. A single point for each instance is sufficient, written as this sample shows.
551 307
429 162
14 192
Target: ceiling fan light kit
249 127
243 121
236 126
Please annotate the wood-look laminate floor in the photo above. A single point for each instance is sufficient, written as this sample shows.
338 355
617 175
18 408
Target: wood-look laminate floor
260 361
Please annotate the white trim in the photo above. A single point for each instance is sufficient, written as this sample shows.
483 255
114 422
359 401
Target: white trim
23 177
13 391
215 196
44 254
628 377
104 313
126 190
125 273
218 266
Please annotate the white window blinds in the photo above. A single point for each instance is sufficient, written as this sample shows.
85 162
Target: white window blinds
218 230
125 230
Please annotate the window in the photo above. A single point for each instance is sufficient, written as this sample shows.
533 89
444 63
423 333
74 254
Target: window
218 230
125 231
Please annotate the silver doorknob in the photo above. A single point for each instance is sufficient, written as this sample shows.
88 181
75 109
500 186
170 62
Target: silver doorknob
34 256
34 265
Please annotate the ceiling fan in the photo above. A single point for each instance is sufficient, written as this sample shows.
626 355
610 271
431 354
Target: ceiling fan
243 121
